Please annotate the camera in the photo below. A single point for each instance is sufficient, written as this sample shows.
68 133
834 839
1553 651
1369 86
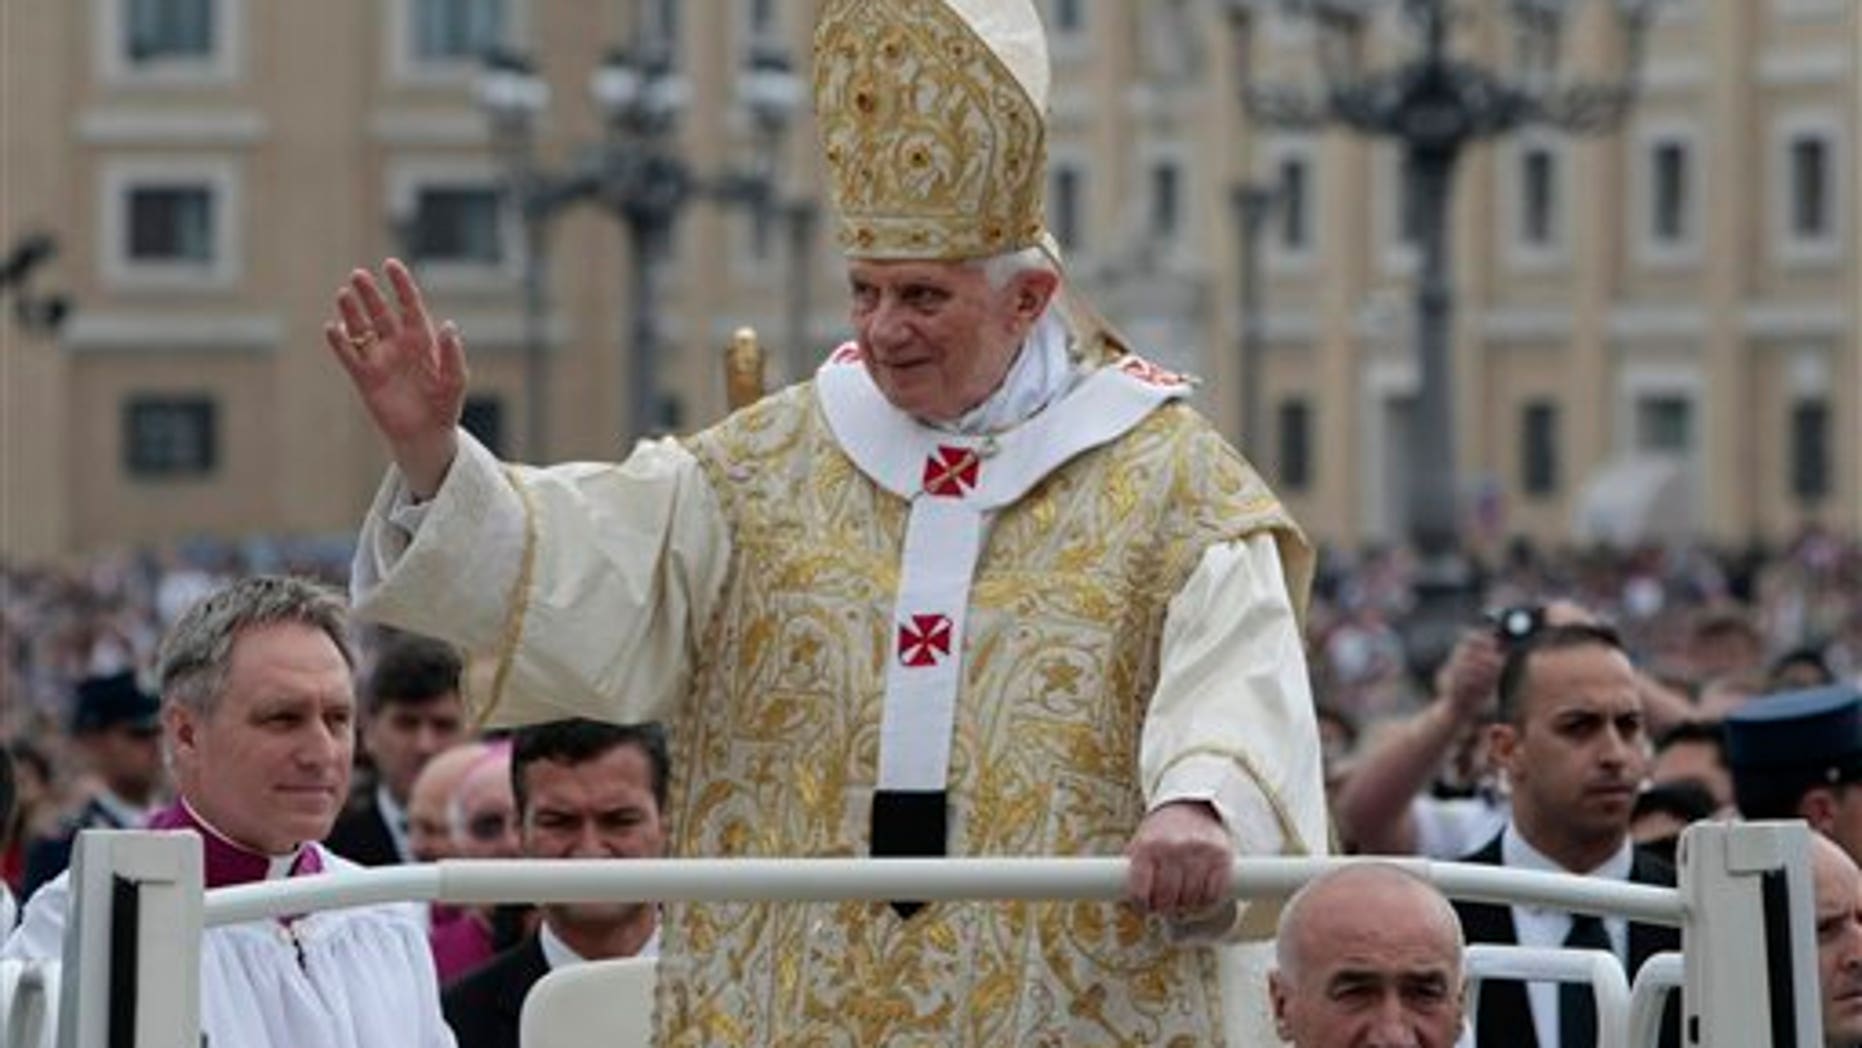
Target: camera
1517 624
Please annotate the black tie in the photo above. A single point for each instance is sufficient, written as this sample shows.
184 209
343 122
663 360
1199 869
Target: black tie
1577 1009
909 824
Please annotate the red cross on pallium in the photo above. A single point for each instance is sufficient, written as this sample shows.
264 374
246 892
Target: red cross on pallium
1149 373
951 472
924 641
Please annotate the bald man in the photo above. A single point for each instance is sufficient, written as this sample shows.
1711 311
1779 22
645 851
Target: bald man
1368 956
429 803
1838 887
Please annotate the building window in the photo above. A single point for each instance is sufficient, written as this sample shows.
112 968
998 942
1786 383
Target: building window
1166 200
760 18
168 30
1294 204
1069 16
1670 193
1810 450
1538 448
1065 204
1538 198
1293 423
483 417
170 437
458 30
664 16
1810 187
457 224
170 224
1665 425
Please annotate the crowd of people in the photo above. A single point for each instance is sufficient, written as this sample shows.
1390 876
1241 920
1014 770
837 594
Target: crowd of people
1677 726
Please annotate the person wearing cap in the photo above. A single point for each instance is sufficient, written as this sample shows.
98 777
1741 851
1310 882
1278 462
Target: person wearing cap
983 586
1798 755
258 720
116 729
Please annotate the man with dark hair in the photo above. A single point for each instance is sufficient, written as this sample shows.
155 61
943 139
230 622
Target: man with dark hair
585 790
1570 740
1694 751
413 713
115 727
1798 755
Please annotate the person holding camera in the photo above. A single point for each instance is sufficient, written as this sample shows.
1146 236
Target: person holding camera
1386 806
1571 739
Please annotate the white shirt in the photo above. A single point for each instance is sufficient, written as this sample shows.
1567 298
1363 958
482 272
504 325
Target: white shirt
558 954
1539 926
1453 828
394 817
356 978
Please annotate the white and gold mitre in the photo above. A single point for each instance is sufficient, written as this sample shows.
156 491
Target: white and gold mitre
933 124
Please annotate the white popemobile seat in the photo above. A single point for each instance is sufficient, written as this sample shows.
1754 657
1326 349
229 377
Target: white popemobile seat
601 1004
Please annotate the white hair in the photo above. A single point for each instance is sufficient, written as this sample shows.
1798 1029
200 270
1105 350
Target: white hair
999 270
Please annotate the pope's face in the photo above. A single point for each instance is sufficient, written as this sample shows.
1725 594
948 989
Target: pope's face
269 765
936 338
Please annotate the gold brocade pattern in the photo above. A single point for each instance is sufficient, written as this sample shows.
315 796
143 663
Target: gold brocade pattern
777 750
934 150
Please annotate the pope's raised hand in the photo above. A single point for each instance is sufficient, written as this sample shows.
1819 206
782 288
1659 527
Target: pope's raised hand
410 373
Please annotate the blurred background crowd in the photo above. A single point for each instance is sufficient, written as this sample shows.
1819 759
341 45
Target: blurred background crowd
1708 629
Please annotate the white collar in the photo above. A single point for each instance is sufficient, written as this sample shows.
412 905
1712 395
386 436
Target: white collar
1043 372
558 954
127 815
1518 853
895 449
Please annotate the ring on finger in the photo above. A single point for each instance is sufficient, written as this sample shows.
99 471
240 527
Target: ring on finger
362 341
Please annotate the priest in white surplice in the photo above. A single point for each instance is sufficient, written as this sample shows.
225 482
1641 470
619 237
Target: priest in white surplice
984 586
258 714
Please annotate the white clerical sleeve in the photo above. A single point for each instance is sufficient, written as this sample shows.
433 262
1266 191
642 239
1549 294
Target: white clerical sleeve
1232 722
587 582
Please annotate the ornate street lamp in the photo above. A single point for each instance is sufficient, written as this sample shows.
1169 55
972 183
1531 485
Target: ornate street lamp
637 174
1435 104
37 313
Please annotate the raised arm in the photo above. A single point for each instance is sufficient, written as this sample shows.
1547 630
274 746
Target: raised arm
409 372
1374 808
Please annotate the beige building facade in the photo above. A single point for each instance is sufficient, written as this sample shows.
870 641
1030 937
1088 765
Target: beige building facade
1677 298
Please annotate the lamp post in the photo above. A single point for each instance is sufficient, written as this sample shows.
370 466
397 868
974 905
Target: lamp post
1435 105
36 313
637 174
1253 203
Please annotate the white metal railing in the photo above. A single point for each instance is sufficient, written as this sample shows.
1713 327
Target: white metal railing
1660 975
1596 968
829 880
1744 903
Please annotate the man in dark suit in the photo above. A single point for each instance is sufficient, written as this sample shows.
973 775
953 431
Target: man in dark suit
1570 738
585 790
413 712
117 729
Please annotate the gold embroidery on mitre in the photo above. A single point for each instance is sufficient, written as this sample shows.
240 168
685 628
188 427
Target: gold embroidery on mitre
934 149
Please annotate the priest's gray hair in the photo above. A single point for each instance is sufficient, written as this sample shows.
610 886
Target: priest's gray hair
197 651
999 270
